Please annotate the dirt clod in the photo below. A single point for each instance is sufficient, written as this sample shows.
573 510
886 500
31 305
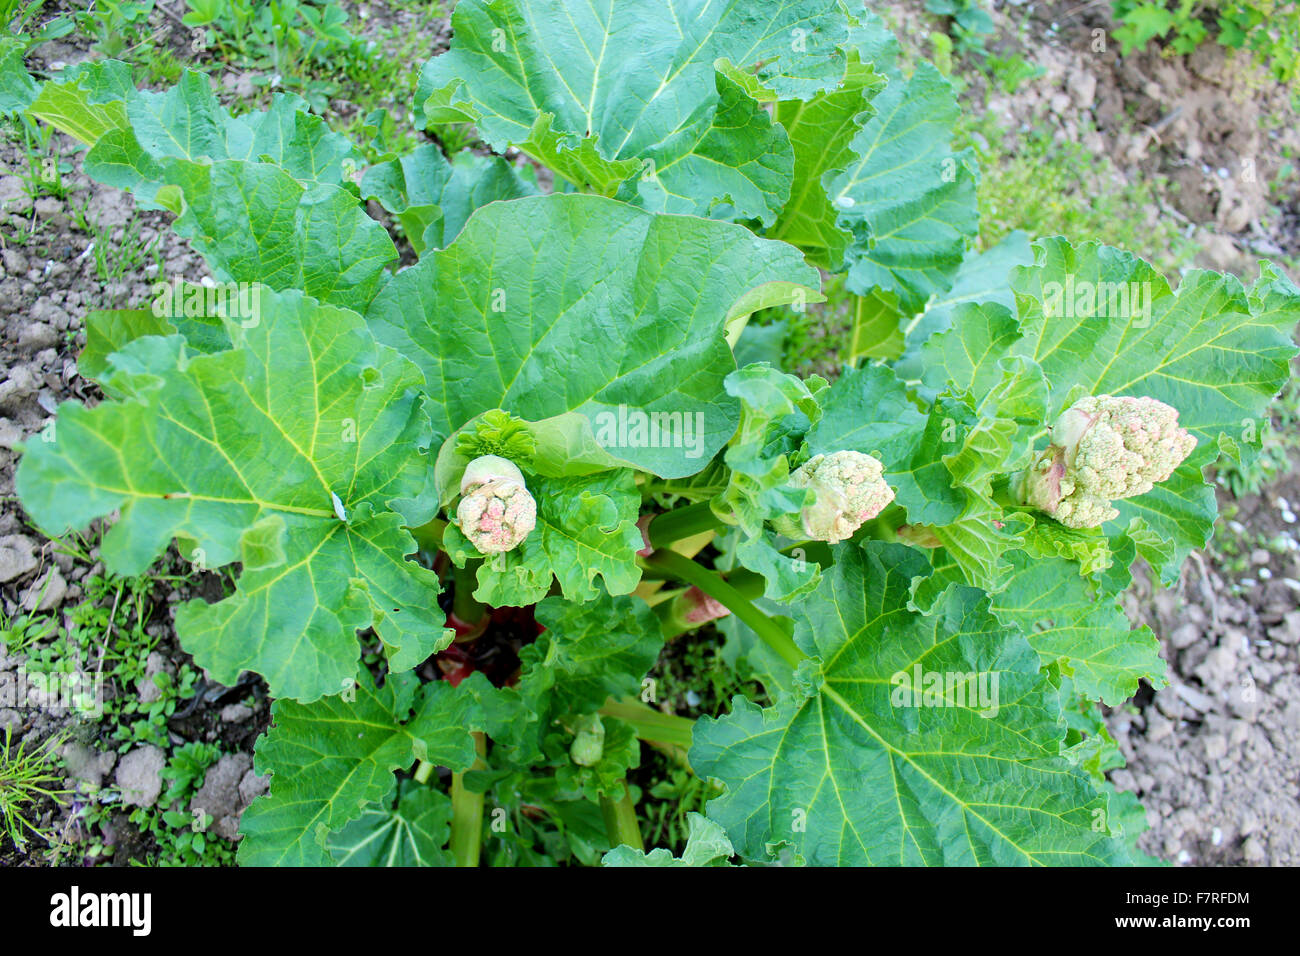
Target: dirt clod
139 776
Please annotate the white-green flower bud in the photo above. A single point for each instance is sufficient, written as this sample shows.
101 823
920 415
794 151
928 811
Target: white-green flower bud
487 468
850 489
588 745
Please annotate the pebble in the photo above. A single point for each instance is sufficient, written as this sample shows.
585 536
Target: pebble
1216 748
219 797
147 688
236 713
47 207
14 261
1198 700
1184 635
1287 632
14 197
1083 88
139 776
17 557
86 764
46 593
36 336
1159 727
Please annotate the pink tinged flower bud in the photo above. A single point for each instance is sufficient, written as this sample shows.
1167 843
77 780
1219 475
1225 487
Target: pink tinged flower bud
496 512
850 489
1105 448
1041 484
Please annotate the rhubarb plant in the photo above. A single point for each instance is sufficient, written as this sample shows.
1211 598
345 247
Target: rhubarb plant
466 502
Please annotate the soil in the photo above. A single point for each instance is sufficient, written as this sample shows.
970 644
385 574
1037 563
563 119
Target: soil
1214 756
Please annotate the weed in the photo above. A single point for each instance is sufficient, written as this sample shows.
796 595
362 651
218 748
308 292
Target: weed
25 778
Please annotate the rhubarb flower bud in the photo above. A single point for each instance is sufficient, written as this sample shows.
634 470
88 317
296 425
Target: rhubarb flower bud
496 511
1104 448
588 741
489 468
850 489
688 611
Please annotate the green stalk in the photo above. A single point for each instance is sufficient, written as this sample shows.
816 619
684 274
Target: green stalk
884 527
467 812
423 771
682 523
620 820
652 726
463 603
712 584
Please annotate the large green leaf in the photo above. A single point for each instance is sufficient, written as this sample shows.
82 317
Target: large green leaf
333 760
287 453
557 304
776 410
972 550
738 166
625 92
984 278
1009 393
432 197
1063 618
110 331
878 189
868 410
821 131
907 198
254 222
136 130
17 88
260 196
87 100
851 772
411 830
706 845
590 652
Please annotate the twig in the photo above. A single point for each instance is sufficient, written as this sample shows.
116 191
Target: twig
1079 9
174 16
